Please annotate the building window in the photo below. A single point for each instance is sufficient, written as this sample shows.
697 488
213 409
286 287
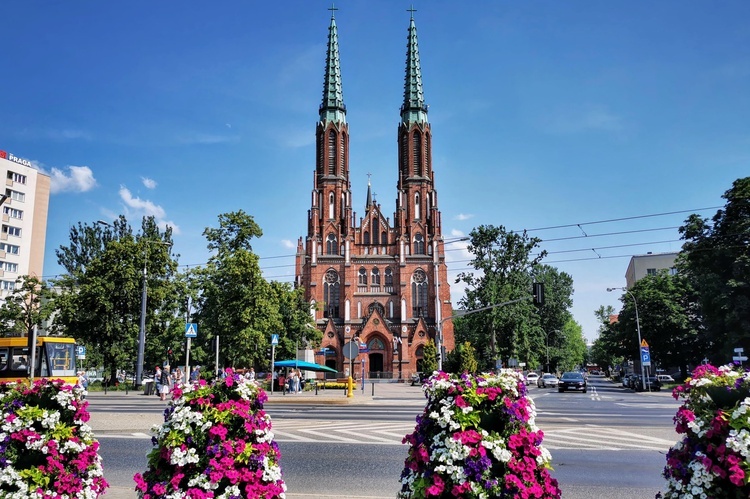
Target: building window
17 177
12 231
375 277
376 344
10 267
417 150
9 285
650 271
331 244
331 294
388 276
418 245
383 238
15 195
13 213
673 271
417 211
331 153
375 234
331 205
10 248
362 277
367 237
419 293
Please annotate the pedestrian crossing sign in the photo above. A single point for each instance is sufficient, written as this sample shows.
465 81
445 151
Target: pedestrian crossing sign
191 330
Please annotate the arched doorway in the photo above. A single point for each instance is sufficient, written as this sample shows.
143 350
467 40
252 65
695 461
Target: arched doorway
330 361
376 358
419 355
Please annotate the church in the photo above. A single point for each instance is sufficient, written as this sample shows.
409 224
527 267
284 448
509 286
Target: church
377 286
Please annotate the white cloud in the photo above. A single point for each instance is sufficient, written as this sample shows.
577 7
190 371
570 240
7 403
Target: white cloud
78 179
149 183
137 207
463 216
288 244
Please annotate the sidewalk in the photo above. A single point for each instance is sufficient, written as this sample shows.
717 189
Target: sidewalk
116 412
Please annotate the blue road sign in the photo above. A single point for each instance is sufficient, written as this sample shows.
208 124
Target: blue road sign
81 352
645 356
274 339
191 330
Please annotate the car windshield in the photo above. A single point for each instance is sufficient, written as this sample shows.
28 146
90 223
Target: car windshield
572 376
547 376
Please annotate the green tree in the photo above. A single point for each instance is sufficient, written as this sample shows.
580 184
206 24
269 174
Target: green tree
462 359
237 303
572 351
28 306
429 358
606 351
101 295
503 264
715 259
668 321
549 340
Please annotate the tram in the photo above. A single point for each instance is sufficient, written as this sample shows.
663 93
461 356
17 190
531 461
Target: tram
55 358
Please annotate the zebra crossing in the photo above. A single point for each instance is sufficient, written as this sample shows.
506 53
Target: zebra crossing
578 437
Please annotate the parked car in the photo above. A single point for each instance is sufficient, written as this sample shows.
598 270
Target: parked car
628 380
532 378
572 380
546 380
652 384
665 378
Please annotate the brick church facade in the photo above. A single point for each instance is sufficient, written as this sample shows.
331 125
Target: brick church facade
380 283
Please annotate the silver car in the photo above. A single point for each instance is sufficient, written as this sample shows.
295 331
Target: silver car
546 380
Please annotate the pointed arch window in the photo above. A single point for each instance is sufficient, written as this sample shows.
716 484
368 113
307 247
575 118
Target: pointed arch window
341 154
362 277
331 294
419 244
331 244
428 141
388 276
383 238
417 207
419 293
375 277
367 237
331 205
331 153
376 344
417 151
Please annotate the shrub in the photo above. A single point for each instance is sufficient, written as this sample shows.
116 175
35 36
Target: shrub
215 442
477 438
46 447
712 459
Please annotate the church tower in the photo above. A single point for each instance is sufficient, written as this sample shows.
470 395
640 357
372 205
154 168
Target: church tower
383 286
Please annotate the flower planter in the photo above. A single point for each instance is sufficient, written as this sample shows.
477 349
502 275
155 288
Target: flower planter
712 459
477 438
46 447
215 442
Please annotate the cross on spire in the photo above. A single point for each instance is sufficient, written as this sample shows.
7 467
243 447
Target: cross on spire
412 10
333 10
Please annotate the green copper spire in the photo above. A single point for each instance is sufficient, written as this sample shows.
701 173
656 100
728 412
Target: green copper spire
333 108
413 109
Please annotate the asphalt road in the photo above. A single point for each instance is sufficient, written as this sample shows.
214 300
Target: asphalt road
609 442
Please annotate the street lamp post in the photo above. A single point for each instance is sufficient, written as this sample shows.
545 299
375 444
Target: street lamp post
142 327
638 328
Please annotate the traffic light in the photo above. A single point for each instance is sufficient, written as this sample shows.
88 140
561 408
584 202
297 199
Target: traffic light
538 292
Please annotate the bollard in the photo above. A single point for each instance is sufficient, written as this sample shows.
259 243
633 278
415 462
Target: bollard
373 388
316 388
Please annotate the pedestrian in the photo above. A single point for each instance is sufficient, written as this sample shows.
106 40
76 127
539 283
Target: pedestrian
298 380
157 380
250 375
194 374
293 382
166 383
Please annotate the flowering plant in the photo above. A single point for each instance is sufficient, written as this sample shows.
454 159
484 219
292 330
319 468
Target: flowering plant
47 448
713 457
477 439
215 442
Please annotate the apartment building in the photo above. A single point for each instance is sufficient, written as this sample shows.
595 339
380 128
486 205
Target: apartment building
641 266
24 205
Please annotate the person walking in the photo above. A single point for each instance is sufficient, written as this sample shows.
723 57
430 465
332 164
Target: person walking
166 383
157 380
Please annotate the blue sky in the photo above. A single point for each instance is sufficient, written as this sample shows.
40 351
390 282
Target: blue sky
543 114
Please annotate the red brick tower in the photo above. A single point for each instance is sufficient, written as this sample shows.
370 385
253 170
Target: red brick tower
385 286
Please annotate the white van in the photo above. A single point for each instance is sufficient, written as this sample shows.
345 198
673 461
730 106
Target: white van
665 378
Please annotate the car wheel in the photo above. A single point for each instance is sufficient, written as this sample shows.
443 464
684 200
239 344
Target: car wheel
560 390
584 390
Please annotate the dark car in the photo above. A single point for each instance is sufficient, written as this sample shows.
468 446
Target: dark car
572 381
652 383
